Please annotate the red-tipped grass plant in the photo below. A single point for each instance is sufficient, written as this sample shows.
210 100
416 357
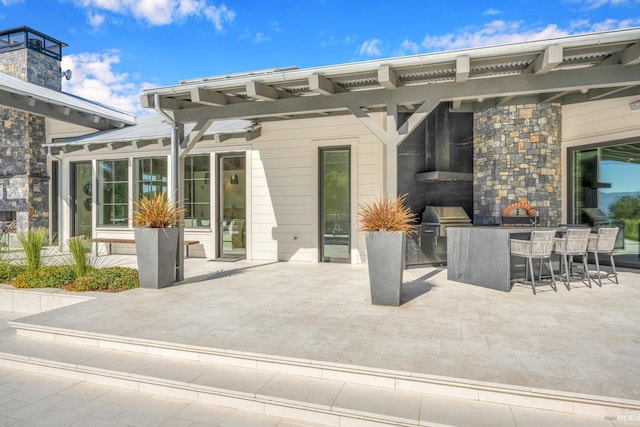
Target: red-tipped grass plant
385 214
156 212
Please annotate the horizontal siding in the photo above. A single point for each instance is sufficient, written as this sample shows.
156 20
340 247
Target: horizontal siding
599 121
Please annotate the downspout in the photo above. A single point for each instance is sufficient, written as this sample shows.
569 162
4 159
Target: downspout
175 191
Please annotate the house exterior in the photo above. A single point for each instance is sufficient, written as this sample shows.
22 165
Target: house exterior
272 165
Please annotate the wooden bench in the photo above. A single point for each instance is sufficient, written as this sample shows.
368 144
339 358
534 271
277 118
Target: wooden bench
187 243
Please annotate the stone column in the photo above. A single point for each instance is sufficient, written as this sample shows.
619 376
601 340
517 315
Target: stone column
516 158
24 182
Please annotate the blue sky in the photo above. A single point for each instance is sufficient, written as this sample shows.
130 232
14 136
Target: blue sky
118 47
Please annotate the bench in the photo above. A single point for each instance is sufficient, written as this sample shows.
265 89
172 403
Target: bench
187 243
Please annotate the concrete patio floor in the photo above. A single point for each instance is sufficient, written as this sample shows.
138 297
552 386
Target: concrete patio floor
580 341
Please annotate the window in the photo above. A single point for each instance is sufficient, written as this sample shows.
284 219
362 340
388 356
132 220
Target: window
113 192
197 191
151 177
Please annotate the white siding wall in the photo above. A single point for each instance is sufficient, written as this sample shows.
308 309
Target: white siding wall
285 184
596 122
283 180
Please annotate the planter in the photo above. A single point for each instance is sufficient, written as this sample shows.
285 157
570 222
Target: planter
156 250
385 257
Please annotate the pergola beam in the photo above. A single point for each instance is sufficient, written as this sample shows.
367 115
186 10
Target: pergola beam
321 85
631 55
208 97
520 85
261 91
387 77
463 67
548 60
194 136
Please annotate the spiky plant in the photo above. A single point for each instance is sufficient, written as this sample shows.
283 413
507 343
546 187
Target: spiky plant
78 249
156 212
32 243
385 214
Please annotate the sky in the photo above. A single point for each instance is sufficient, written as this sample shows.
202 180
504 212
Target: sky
117 48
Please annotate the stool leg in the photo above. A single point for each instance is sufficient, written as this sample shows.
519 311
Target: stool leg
533 276
566 272
586 270
598 269
613 264
553 279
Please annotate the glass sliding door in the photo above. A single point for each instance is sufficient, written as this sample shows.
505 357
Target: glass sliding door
82 191
606 180
232 202
335 204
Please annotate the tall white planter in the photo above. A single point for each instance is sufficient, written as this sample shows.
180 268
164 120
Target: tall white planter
385 257
156 250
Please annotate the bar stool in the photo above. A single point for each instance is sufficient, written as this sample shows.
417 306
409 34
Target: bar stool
603 243
540 247
574 243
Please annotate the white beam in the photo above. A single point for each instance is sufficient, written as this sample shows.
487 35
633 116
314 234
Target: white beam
504 100
208 97
596 94
416 118
548 60
321 85
371 124
550 97
463 67
631 55
260 91
387 77
456 104
194 136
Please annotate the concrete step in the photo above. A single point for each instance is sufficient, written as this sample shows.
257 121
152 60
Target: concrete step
287 387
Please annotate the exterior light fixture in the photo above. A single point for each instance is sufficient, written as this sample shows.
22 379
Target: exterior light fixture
234 179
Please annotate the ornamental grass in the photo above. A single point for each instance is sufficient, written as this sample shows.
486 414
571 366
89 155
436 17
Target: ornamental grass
156 212
385 214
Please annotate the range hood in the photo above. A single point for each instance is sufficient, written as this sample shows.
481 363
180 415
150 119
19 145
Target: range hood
448 147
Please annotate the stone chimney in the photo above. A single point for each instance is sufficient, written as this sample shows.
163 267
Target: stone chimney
24 183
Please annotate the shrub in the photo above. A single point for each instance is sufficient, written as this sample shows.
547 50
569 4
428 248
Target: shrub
78 249
45 277
8 272
32 242
107 279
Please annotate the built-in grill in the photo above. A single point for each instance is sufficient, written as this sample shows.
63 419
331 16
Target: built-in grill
444 217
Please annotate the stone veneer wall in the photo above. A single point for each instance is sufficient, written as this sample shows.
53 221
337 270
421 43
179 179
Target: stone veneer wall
516 158
24 183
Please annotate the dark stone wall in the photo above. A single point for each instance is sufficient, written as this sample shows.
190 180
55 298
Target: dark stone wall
24 184
516 158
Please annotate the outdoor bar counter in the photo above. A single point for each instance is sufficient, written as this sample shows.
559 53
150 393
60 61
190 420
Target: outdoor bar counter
480 255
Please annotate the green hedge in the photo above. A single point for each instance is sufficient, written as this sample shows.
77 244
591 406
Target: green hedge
45 277
107 279
8 272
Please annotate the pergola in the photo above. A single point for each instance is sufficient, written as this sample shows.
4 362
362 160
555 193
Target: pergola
565 70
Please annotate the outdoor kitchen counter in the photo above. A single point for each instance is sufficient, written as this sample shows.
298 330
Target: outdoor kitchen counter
480 255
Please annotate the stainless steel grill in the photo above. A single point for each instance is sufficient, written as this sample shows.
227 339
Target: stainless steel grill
444 217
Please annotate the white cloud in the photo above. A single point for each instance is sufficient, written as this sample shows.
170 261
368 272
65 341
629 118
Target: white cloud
492 33
164 12
95 20
94 78
597 4
408 47
371 47
10 2
492 11
260 38
614 24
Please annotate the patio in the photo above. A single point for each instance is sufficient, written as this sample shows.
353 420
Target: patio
583 341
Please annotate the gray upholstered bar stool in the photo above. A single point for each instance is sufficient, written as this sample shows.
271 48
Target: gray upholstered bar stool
574 243
603 243
539 247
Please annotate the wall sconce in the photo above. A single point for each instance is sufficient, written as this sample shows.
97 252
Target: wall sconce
234 179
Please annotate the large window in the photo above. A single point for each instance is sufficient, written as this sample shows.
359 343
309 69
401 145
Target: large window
606 182
151 177
113 192
197 191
